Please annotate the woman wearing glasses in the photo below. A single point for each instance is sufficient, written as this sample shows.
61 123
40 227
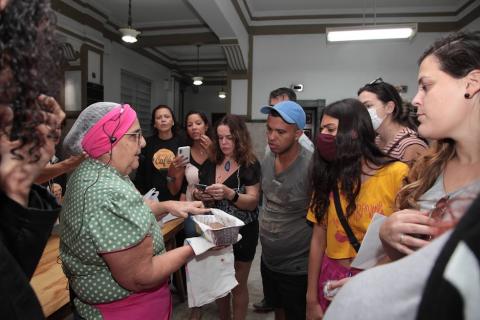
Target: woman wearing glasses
107 227
442 183
391 119
160 167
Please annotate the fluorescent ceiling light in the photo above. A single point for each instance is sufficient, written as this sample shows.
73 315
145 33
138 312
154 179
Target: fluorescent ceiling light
129 35
377 32
197 81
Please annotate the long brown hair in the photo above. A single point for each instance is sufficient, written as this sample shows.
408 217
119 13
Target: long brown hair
424 172
243 152
458 54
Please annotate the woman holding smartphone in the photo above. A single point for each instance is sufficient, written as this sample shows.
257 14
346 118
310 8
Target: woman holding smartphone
198 138
160 166
233 185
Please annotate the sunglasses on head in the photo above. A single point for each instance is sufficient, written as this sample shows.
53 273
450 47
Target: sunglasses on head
374 82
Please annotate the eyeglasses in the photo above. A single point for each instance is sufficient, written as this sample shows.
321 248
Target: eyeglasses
374 82
138 135
448 211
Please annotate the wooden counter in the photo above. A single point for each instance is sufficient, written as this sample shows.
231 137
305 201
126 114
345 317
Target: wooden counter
50 283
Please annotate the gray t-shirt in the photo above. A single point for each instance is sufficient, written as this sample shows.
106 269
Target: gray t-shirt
394 290
284 232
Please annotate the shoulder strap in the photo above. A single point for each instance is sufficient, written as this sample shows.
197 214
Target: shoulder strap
343 220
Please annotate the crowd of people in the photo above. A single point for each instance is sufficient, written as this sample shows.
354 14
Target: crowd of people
310 203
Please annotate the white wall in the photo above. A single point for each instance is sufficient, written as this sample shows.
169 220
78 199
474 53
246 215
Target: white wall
333 71
238 96
117 57
206 100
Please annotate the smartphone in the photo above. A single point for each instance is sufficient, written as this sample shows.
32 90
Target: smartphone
200 186
184 152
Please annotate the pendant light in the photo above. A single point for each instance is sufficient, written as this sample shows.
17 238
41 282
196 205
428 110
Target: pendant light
198 80
129 34
222 94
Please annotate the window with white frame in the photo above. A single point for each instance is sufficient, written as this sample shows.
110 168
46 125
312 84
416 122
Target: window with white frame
137 91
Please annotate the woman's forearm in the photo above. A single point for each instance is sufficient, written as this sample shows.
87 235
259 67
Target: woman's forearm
317 250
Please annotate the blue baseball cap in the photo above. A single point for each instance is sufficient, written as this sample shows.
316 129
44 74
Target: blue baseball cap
290 111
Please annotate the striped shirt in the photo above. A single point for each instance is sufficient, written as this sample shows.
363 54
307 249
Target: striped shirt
404 138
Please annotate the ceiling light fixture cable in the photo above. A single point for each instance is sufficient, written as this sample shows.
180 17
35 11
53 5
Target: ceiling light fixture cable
197 79
129 34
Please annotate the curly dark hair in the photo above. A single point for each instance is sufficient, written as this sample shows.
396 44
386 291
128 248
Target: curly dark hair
243 152
355 143
30 64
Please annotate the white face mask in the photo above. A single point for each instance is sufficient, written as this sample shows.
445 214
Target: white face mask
376 120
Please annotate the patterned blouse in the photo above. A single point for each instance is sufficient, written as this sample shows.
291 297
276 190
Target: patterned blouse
103 212
404 138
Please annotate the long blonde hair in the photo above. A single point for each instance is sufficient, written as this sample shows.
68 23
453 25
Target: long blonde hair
424 172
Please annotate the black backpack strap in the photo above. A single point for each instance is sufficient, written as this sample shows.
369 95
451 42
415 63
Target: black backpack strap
343 220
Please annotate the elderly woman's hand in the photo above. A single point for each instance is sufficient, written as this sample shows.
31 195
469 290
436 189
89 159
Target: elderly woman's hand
183 208
403 230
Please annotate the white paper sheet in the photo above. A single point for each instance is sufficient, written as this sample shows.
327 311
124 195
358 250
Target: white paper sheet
371 251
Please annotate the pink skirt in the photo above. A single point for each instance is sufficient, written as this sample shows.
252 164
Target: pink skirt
149 305
331 270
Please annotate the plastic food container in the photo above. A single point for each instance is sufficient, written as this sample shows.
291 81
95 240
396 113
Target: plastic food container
221 236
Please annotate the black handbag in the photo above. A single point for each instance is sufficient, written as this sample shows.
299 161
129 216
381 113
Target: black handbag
343 220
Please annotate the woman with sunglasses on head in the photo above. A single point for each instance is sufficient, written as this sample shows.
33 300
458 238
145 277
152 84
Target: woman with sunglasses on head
233 185
352 179
442 184
160 166
391 119
111 246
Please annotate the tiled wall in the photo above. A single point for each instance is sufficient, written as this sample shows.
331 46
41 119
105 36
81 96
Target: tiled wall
259 139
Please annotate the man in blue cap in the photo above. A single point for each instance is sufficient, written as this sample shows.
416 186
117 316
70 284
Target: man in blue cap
284 233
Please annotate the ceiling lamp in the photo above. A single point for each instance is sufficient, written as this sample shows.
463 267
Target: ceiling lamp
376 32
222 94
129 34
198 80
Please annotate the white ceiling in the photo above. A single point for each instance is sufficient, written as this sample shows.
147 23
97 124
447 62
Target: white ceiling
179 19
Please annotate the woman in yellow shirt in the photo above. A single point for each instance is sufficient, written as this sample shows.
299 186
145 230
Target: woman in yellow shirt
367 181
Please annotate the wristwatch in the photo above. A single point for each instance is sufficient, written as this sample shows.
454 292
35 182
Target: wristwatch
235 197
171 179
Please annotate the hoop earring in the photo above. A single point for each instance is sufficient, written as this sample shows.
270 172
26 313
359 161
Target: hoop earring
466 95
